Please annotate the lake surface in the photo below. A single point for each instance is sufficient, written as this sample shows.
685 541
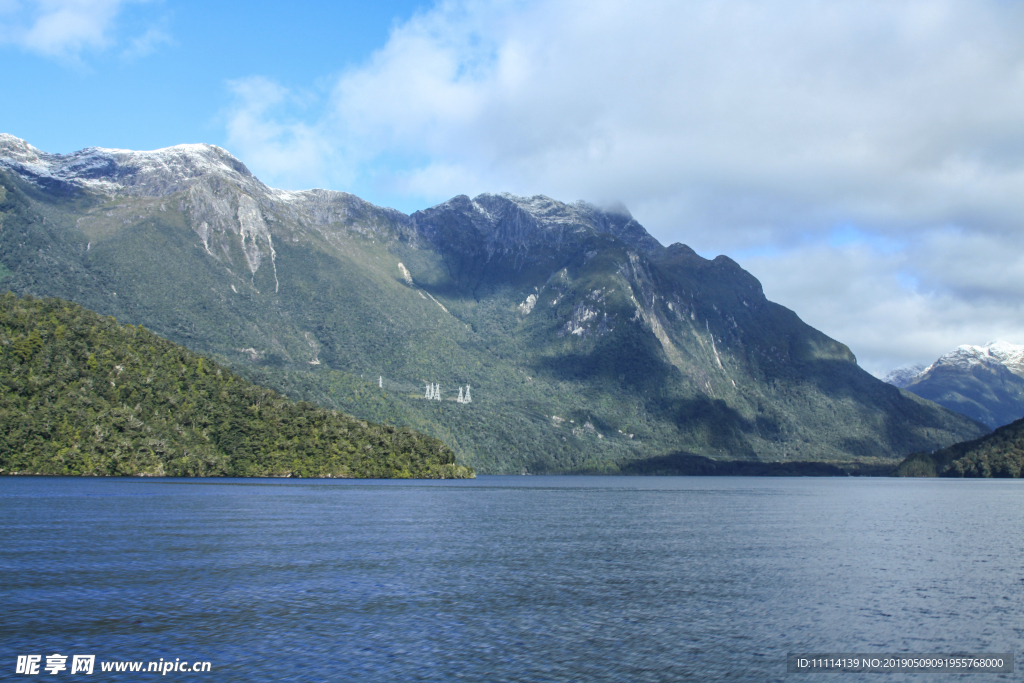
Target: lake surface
508 578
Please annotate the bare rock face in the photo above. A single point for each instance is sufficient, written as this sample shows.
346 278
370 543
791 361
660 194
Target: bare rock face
546 309
506 223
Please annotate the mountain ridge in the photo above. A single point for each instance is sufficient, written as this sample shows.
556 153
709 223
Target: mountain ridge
559 315
986 383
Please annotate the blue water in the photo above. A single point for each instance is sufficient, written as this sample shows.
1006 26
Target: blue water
508 578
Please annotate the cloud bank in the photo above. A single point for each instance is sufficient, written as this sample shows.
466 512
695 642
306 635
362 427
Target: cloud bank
752 128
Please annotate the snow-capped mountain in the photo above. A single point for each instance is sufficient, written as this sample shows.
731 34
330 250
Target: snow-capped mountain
587 343
902 376
207 179
154 173
982 382
967 356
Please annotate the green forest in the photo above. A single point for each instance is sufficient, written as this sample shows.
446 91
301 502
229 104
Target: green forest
81 394
999 454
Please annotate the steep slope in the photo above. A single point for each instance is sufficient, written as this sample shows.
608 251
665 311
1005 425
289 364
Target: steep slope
81 394
586 343
999 454
985 383
695 340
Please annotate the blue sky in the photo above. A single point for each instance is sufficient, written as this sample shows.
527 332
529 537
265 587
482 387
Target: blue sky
158 77
864 160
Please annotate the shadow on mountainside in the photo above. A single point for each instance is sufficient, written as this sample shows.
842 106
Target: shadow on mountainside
688 464
891 407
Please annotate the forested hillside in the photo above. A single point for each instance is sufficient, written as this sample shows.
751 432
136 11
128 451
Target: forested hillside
81 394
999 454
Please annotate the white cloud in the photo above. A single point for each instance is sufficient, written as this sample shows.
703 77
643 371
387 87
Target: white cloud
910 305
60 27
730 126
146 44
65 28
288 154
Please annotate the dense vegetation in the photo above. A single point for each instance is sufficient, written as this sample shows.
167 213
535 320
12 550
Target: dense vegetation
999 454
81 394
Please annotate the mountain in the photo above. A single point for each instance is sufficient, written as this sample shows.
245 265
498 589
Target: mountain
584 343
999 454
902 376
82 394
985 383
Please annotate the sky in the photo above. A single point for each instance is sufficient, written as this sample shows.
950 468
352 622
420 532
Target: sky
864 160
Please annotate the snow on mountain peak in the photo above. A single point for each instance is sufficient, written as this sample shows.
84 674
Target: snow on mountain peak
115 171
997 352
964 357
519 219
545 210
902 376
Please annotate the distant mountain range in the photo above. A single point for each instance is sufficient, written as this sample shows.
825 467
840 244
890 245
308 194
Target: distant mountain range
985 383
588 346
